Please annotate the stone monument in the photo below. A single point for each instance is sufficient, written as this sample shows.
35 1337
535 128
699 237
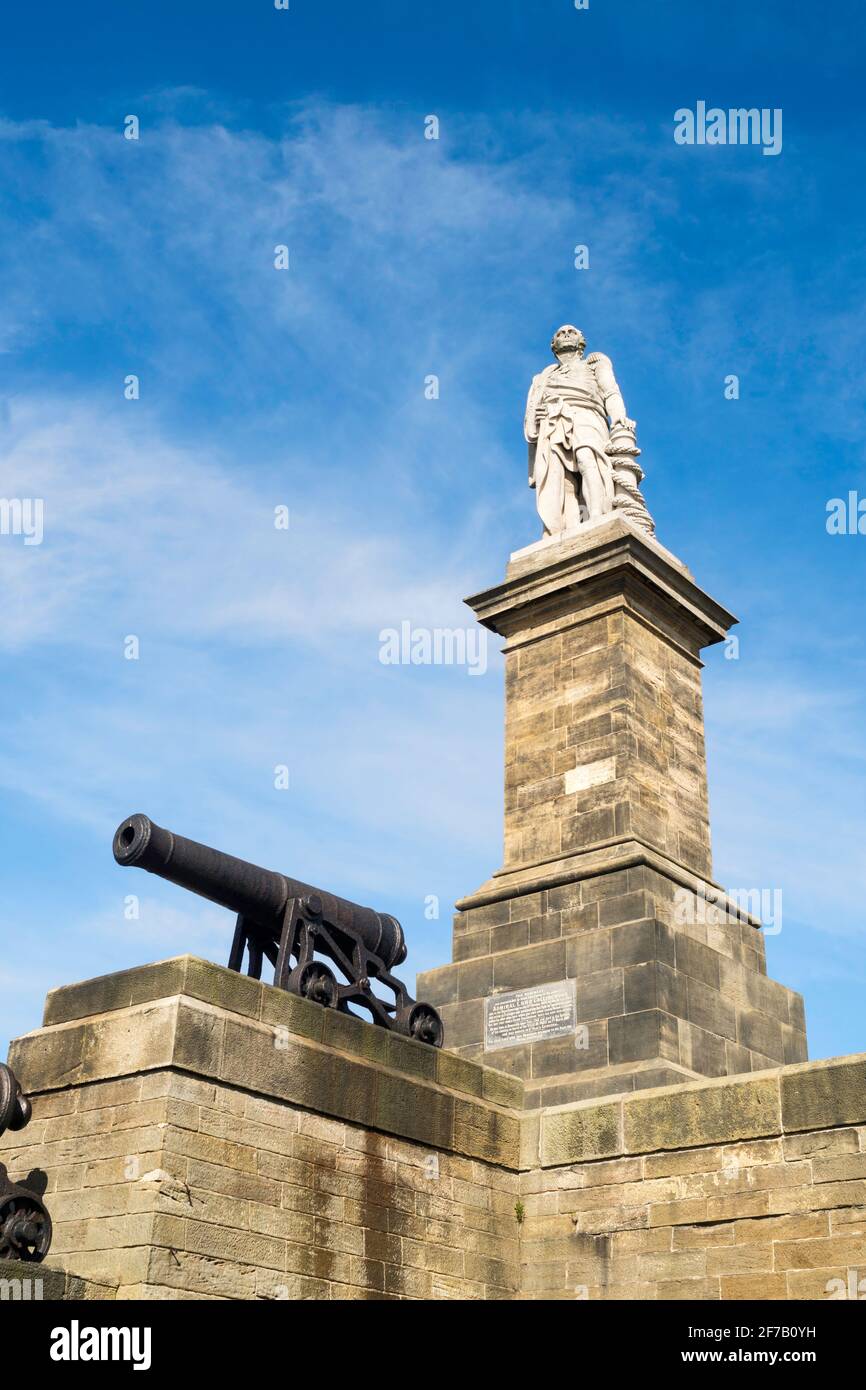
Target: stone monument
622 1109
602 956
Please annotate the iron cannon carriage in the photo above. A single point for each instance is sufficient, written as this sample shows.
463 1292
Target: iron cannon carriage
25 1226
293 925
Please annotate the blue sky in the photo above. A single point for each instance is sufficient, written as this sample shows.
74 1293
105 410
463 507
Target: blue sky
305 388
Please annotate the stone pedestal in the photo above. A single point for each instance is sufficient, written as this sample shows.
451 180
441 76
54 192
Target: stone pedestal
607 873
205 1136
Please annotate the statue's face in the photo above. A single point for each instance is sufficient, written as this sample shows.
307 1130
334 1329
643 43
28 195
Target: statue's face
567 341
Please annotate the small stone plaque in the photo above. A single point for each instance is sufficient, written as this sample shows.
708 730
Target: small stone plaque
530 1015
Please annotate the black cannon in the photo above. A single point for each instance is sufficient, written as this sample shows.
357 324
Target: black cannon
290 923
25 1226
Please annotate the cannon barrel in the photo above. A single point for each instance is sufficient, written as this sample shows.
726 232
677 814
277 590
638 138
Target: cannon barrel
259 895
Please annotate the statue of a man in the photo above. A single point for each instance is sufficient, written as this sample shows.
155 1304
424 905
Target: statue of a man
571 410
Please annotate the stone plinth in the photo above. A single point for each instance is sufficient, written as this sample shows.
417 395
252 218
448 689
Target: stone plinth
208 1136
743 1188
607 873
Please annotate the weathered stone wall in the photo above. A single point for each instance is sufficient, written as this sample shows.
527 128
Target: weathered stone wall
745 1188
183 1188
208 1136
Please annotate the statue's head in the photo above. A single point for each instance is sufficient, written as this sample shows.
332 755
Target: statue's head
567 340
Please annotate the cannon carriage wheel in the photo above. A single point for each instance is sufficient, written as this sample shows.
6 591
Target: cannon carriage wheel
422 1022
25 1228
315 981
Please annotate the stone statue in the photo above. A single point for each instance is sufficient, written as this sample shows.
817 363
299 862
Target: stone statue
582 450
